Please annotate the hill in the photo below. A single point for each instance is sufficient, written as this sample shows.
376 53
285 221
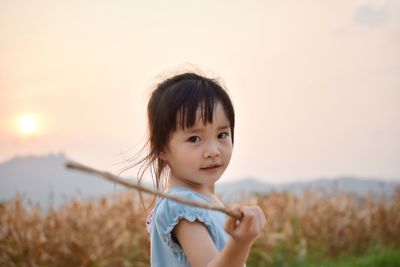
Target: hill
44 180
347 184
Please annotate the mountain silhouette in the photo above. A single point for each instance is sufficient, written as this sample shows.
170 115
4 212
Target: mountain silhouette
242 189
45 179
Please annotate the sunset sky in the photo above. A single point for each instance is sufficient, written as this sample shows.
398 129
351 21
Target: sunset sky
315 84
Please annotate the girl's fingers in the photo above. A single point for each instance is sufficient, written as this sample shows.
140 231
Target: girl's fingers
260 216
231 223
249 227
253 220
248 216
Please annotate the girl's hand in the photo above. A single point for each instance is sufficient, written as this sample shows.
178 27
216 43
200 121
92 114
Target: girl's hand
249 227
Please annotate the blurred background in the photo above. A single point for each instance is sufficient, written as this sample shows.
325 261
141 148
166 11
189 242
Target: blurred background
316 88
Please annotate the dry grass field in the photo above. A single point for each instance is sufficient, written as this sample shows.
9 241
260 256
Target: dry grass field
111 231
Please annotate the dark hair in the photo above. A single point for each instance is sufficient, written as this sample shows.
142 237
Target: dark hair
174 103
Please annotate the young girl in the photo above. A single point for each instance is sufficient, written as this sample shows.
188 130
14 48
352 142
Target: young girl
191 133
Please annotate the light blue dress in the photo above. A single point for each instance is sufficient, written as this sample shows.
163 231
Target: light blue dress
165 252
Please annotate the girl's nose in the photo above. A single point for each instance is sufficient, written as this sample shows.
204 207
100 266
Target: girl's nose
212 151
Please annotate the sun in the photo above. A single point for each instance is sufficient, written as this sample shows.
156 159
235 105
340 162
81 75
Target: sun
28 124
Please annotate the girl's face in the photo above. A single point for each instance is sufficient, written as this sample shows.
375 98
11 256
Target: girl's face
199 155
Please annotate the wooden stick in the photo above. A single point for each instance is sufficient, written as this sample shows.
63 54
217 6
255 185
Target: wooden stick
77 166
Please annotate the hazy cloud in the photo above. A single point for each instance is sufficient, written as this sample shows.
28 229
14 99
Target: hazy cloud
372 16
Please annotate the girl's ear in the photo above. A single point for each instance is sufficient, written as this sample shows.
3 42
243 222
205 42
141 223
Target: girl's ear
163 156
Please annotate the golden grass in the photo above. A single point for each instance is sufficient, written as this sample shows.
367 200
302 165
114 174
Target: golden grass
108 232
111 231
327 226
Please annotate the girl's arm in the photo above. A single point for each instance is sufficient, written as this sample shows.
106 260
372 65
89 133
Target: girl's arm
200 249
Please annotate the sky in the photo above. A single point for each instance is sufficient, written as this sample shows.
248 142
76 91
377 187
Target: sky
315 84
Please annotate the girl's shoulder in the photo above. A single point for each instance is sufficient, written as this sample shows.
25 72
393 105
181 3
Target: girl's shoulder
169 205
167 212
187 194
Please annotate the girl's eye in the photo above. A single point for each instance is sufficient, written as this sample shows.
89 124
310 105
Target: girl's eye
223 135
193 139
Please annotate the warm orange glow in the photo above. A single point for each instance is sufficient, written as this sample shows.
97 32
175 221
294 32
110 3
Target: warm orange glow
28 124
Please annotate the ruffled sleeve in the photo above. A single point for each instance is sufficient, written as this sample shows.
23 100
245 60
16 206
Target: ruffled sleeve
168 215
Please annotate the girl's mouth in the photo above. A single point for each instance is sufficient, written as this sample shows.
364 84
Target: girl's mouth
211 167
